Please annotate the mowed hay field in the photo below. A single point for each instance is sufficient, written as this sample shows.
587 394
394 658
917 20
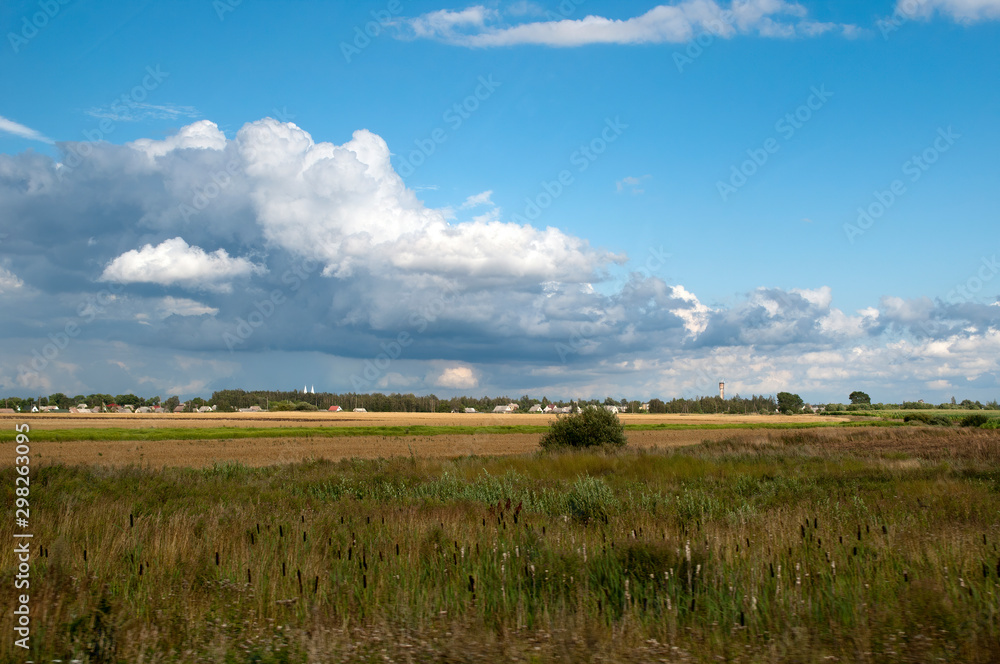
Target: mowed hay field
283 449
850 544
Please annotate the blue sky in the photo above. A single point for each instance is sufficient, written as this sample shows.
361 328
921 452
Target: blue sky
575 198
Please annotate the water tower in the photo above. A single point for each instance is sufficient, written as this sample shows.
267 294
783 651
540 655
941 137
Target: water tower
722 390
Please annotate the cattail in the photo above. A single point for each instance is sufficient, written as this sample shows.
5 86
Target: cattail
316 585
216 558
130 525
281 532
84 555
140 569
248 576
364 581
282 568
397 548
303 536
472 584
298 573
303 518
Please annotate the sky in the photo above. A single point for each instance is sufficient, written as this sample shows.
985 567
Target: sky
561 198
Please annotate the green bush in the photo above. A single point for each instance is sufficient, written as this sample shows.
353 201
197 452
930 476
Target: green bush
593 426
974 420
991 424
925 418
302 405
281 406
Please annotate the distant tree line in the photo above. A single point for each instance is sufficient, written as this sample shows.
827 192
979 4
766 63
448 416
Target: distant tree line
232 400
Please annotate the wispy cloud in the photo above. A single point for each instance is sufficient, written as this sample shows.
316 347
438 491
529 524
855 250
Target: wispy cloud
480 27
18 129
963 11
478 199
632 184
137 112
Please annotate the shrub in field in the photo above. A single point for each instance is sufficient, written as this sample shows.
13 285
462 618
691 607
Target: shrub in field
925 418
991 424
588 428
590 499
974 420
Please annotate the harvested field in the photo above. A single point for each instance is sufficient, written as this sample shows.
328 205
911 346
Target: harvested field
272 451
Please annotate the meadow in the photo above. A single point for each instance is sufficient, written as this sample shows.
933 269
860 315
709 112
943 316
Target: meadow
856 543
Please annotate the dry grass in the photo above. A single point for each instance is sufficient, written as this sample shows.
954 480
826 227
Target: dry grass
272 451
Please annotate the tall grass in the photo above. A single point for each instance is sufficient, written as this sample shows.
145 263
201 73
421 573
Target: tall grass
861 545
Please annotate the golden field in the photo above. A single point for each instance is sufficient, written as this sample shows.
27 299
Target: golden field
284 449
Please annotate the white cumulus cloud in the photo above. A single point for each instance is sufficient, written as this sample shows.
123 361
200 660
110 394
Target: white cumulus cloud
458 378
175 262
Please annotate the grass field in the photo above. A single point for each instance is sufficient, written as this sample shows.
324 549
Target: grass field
864 544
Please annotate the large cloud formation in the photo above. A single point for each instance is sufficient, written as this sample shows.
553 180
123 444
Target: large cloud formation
201 262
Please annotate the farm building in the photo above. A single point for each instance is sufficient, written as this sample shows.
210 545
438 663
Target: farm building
470 410
535 409
360 410
335 409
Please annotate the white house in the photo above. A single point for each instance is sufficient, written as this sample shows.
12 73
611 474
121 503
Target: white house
360 410
535 409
